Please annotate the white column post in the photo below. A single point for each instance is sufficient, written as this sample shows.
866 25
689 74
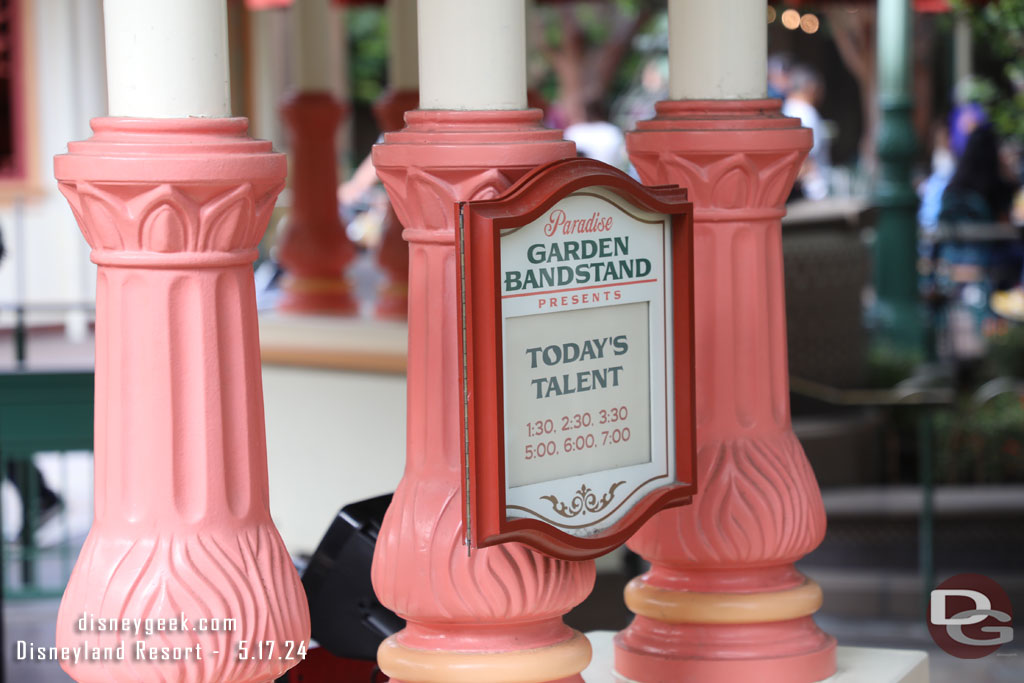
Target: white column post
167 58
338 55
963 58
472 54
717 50
314 52
268 38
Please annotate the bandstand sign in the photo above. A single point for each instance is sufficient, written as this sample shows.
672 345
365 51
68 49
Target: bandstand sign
575 297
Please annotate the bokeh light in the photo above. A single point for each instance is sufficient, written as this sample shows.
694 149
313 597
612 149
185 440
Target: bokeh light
791 19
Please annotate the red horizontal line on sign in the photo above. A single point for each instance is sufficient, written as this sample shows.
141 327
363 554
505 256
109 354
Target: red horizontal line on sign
577 289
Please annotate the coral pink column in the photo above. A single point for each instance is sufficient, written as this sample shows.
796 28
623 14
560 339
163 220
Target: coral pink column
174 210
314 248
494 615
722 601
393 256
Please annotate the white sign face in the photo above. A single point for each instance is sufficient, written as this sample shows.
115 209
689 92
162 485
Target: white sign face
587 348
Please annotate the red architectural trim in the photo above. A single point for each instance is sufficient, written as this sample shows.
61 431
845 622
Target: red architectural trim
16 65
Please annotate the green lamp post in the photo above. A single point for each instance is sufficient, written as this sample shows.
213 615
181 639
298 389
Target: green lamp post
897 316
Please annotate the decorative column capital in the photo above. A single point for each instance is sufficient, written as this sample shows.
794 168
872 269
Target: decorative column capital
738 158
472 155
171 192
426 196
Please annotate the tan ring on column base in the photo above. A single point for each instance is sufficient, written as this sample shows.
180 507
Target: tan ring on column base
315 285
562 660
683 607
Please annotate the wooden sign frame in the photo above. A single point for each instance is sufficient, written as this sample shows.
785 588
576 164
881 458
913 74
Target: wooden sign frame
480 225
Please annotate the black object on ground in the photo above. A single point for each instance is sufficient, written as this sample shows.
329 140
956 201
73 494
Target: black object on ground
347 620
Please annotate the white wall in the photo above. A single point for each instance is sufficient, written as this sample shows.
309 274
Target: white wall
333 438
47 257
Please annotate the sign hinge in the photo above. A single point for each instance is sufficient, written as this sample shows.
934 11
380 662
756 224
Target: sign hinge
465 378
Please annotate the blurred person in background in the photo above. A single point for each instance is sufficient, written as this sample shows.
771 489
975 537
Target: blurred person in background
963 120
932 189
649 88
779 66
982 185
981 192
598 138
805 92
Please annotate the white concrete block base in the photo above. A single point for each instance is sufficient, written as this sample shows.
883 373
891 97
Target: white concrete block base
855 664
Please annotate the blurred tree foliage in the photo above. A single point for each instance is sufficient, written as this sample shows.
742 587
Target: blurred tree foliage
999 26
368 50
981 443
1005 357
581 51
982 438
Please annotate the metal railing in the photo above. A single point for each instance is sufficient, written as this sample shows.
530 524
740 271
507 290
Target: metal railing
40 412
